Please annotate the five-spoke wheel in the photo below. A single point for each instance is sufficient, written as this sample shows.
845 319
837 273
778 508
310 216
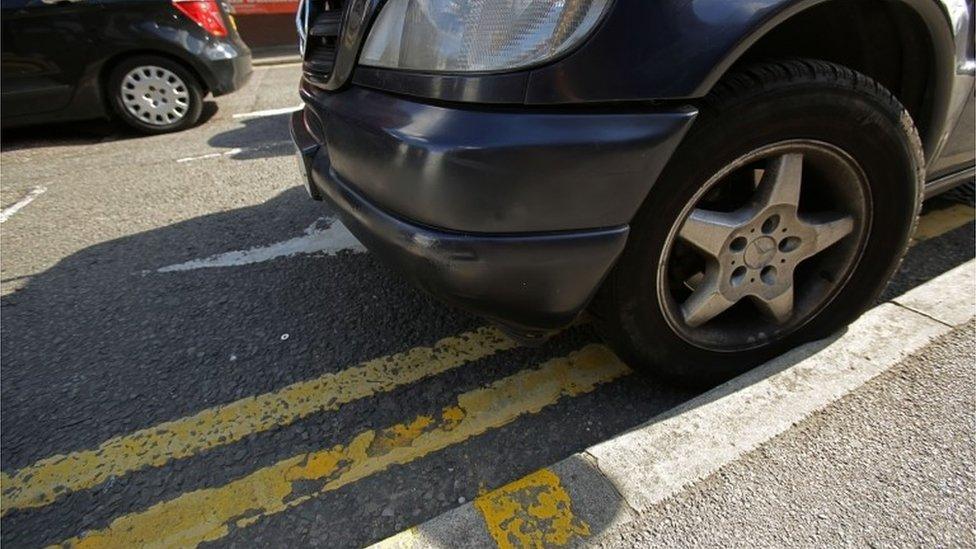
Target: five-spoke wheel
744 242
778 220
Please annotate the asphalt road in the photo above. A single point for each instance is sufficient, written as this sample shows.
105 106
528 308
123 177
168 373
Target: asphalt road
193 351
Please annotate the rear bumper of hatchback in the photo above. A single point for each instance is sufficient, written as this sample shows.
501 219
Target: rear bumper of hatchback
516 216
225 65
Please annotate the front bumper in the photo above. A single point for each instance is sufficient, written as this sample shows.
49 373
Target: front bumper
517 217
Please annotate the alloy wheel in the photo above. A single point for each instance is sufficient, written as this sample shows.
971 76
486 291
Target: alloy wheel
765 244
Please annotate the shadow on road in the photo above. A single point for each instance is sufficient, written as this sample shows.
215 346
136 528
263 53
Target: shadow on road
102 344
82 132
262 137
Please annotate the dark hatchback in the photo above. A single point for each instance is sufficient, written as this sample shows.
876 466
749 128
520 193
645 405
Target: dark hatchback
717 180
148 62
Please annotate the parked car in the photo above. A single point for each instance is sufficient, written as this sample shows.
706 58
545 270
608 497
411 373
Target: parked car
148 62
718 180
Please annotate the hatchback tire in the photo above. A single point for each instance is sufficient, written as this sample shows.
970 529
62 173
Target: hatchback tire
779 220
154 95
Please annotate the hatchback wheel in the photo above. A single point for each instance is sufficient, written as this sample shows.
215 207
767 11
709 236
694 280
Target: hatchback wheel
779 220
155 95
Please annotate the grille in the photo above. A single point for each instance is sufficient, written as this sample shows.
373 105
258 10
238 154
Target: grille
323 39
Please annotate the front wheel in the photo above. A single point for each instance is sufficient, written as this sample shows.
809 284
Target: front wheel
155 95
778 221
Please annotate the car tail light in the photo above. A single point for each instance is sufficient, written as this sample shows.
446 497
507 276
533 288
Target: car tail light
205 13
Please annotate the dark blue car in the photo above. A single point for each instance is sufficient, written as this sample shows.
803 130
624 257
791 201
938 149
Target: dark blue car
716 180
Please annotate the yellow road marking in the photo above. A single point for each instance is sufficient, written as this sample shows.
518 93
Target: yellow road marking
43 482
209 514
534 511
938 222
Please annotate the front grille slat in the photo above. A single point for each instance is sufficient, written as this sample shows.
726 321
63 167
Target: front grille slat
326 24
320 61
324 29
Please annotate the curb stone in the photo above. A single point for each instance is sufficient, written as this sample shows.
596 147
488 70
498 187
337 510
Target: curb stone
605 486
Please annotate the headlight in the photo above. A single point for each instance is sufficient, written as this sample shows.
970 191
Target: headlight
476 35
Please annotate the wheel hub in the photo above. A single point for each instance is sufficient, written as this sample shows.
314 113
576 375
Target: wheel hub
759 252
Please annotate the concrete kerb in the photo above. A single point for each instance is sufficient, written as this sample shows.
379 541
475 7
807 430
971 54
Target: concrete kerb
610 483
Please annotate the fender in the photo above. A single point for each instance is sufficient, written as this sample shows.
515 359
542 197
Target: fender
690 44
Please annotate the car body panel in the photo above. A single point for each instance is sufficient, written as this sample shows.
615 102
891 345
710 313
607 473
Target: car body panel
526 282
493 171
510 194
45 49
685 47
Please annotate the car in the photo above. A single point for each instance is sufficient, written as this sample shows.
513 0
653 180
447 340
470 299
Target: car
716 181
149 63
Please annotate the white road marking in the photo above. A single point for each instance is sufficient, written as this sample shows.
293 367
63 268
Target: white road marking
211 155
19 205
655 461
233 151
269 112
330 241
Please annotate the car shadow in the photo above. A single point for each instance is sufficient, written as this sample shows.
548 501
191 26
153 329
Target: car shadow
85 132
261 137
103 343
81 132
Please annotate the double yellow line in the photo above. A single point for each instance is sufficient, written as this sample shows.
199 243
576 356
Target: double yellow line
43 482
208 514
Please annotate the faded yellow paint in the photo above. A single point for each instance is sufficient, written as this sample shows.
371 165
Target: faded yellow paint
43 482
208 514
534 511
938 222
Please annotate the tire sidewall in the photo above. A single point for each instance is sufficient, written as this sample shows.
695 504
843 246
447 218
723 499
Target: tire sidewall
858 125
114 86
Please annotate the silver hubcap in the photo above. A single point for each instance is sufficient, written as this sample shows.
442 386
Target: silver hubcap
155 95
750 253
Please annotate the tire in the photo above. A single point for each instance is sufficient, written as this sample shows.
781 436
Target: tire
845 117
156 110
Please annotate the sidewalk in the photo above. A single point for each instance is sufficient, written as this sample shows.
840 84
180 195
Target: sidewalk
275 55
890 464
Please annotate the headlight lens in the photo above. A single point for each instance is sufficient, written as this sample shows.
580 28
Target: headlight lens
476 35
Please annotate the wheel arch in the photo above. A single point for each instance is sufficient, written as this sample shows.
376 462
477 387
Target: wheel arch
922 77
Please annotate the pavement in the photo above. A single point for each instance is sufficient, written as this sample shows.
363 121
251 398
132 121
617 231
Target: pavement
890 464
195 352
276 55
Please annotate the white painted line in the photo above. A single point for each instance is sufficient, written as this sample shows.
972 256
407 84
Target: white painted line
236 150
950 302
693 441
652 463
269 112
211 155
334 238
20 204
